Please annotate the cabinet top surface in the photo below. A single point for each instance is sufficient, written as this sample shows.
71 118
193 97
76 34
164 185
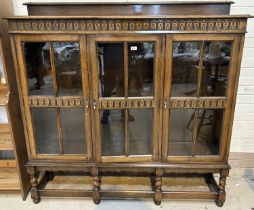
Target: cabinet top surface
128 3
128 8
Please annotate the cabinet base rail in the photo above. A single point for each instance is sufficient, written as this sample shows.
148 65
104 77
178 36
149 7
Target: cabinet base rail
158 185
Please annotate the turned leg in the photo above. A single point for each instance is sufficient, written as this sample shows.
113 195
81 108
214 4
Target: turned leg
158 181
152 179
34 183
96 186
222 184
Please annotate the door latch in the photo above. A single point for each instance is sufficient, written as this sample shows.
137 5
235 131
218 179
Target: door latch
94 104
165 104
87 103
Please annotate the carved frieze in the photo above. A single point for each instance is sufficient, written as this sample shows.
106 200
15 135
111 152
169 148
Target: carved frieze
197 103
216 25
125 103
56 102
121 103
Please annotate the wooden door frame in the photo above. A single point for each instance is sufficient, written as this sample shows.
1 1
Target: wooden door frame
26 100
91 40
228 112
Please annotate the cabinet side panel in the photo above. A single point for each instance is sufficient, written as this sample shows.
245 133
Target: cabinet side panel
13 106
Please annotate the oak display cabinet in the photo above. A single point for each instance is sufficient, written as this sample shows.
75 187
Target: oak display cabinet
128 104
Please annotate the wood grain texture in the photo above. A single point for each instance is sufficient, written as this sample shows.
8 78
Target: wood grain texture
9 180
5 137
3 95
130 8
8 163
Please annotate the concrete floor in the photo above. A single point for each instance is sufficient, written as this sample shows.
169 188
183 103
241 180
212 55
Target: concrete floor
240 196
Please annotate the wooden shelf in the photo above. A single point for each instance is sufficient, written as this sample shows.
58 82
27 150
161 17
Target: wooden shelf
71 182
3 94
5 137
9 180
7 164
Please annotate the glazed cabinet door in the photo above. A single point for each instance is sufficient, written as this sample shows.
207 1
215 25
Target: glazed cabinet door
126 92
200 71
54 84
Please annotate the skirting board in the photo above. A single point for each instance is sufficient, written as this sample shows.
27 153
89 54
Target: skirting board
241 160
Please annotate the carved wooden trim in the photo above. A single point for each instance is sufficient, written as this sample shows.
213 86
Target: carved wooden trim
197 103
217 25
38 101
125 103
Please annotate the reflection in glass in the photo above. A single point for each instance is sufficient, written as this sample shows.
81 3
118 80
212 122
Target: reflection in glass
38 68
68 68
185 68
73 131
181 131
140 127
111 69
215 68
140 69
112 132
45 130
7 155
209 131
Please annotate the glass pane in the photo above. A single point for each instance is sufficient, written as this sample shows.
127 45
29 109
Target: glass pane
210 122
215 68
68 68
7 155
140 67
73 131
140 143
185 68
38 68
111 69
45 130
112 132
180 131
